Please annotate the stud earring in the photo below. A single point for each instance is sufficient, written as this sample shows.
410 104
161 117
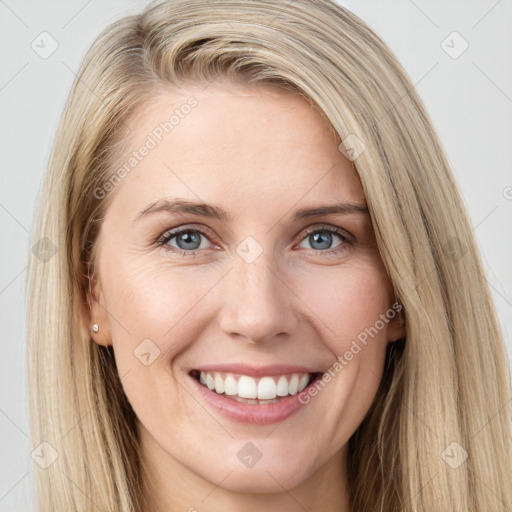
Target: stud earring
95 328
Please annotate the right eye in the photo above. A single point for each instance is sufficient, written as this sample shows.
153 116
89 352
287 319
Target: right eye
185 241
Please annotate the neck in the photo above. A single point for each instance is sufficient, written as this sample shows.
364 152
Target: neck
170 486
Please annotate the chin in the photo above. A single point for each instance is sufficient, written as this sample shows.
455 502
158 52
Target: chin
268 474
260 481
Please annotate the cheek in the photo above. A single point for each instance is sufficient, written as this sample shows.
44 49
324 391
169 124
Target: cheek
349 310
159 304
346 302
155 314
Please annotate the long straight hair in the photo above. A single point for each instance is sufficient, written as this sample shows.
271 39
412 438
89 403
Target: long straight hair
438 434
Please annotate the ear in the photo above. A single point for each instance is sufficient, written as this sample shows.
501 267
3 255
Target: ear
95 312
396 326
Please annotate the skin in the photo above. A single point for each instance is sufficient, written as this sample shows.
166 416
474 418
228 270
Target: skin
259 153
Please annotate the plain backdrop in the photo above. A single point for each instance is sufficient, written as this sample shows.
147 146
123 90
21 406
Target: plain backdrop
457 53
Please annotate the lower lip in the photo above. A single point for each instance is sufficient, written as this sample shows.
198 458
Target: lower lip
257 414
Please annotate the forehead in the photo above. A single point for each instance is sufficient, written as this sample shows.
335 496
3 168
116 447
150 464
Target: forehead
246 145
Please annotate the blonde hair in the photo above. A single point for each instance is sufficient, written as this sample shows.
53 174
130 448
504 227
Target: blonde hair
446 382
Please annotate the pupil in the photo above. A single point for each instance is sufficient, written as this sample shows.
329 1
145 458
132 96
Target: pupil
325 238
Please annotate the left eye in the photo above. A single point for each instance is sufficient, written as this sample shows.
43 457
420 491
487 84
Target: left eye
322 239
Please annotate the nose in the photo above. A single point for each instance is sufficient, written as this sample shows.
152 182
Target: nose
257 304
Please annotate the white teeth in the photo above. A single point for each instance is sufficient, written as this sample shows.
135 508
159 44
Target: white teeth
251 390
230 385
219 384
293 385
282 386
266 388
247 387
303 382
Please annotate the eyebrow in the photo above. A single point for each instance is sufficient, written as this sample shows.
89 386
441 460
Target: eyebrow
215 212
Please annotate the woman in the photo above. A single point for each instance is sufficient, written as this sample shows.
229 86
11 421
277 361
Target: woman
201 351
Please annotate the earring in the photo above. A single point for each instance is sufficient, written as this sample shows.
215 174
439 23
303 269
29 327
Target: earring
95 328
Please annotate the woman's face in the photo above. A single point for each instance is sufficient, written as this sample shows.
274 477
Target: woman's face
252 286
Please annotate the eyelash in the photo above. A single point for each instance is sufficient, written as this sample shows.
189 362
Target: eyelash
169 235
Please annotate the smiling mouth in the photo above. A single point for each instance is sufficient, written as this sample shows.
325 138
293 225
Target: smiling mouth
255 391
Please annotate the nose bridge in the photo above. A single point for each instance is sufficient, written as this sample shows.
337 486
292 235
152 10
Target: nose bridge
256 303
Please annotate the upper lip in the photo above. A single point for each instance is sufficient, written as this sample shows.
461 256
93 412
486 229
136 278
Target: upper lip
255 371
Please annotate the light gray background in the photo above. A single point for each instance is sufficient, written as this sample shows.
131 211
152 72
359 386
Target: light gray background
469 99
